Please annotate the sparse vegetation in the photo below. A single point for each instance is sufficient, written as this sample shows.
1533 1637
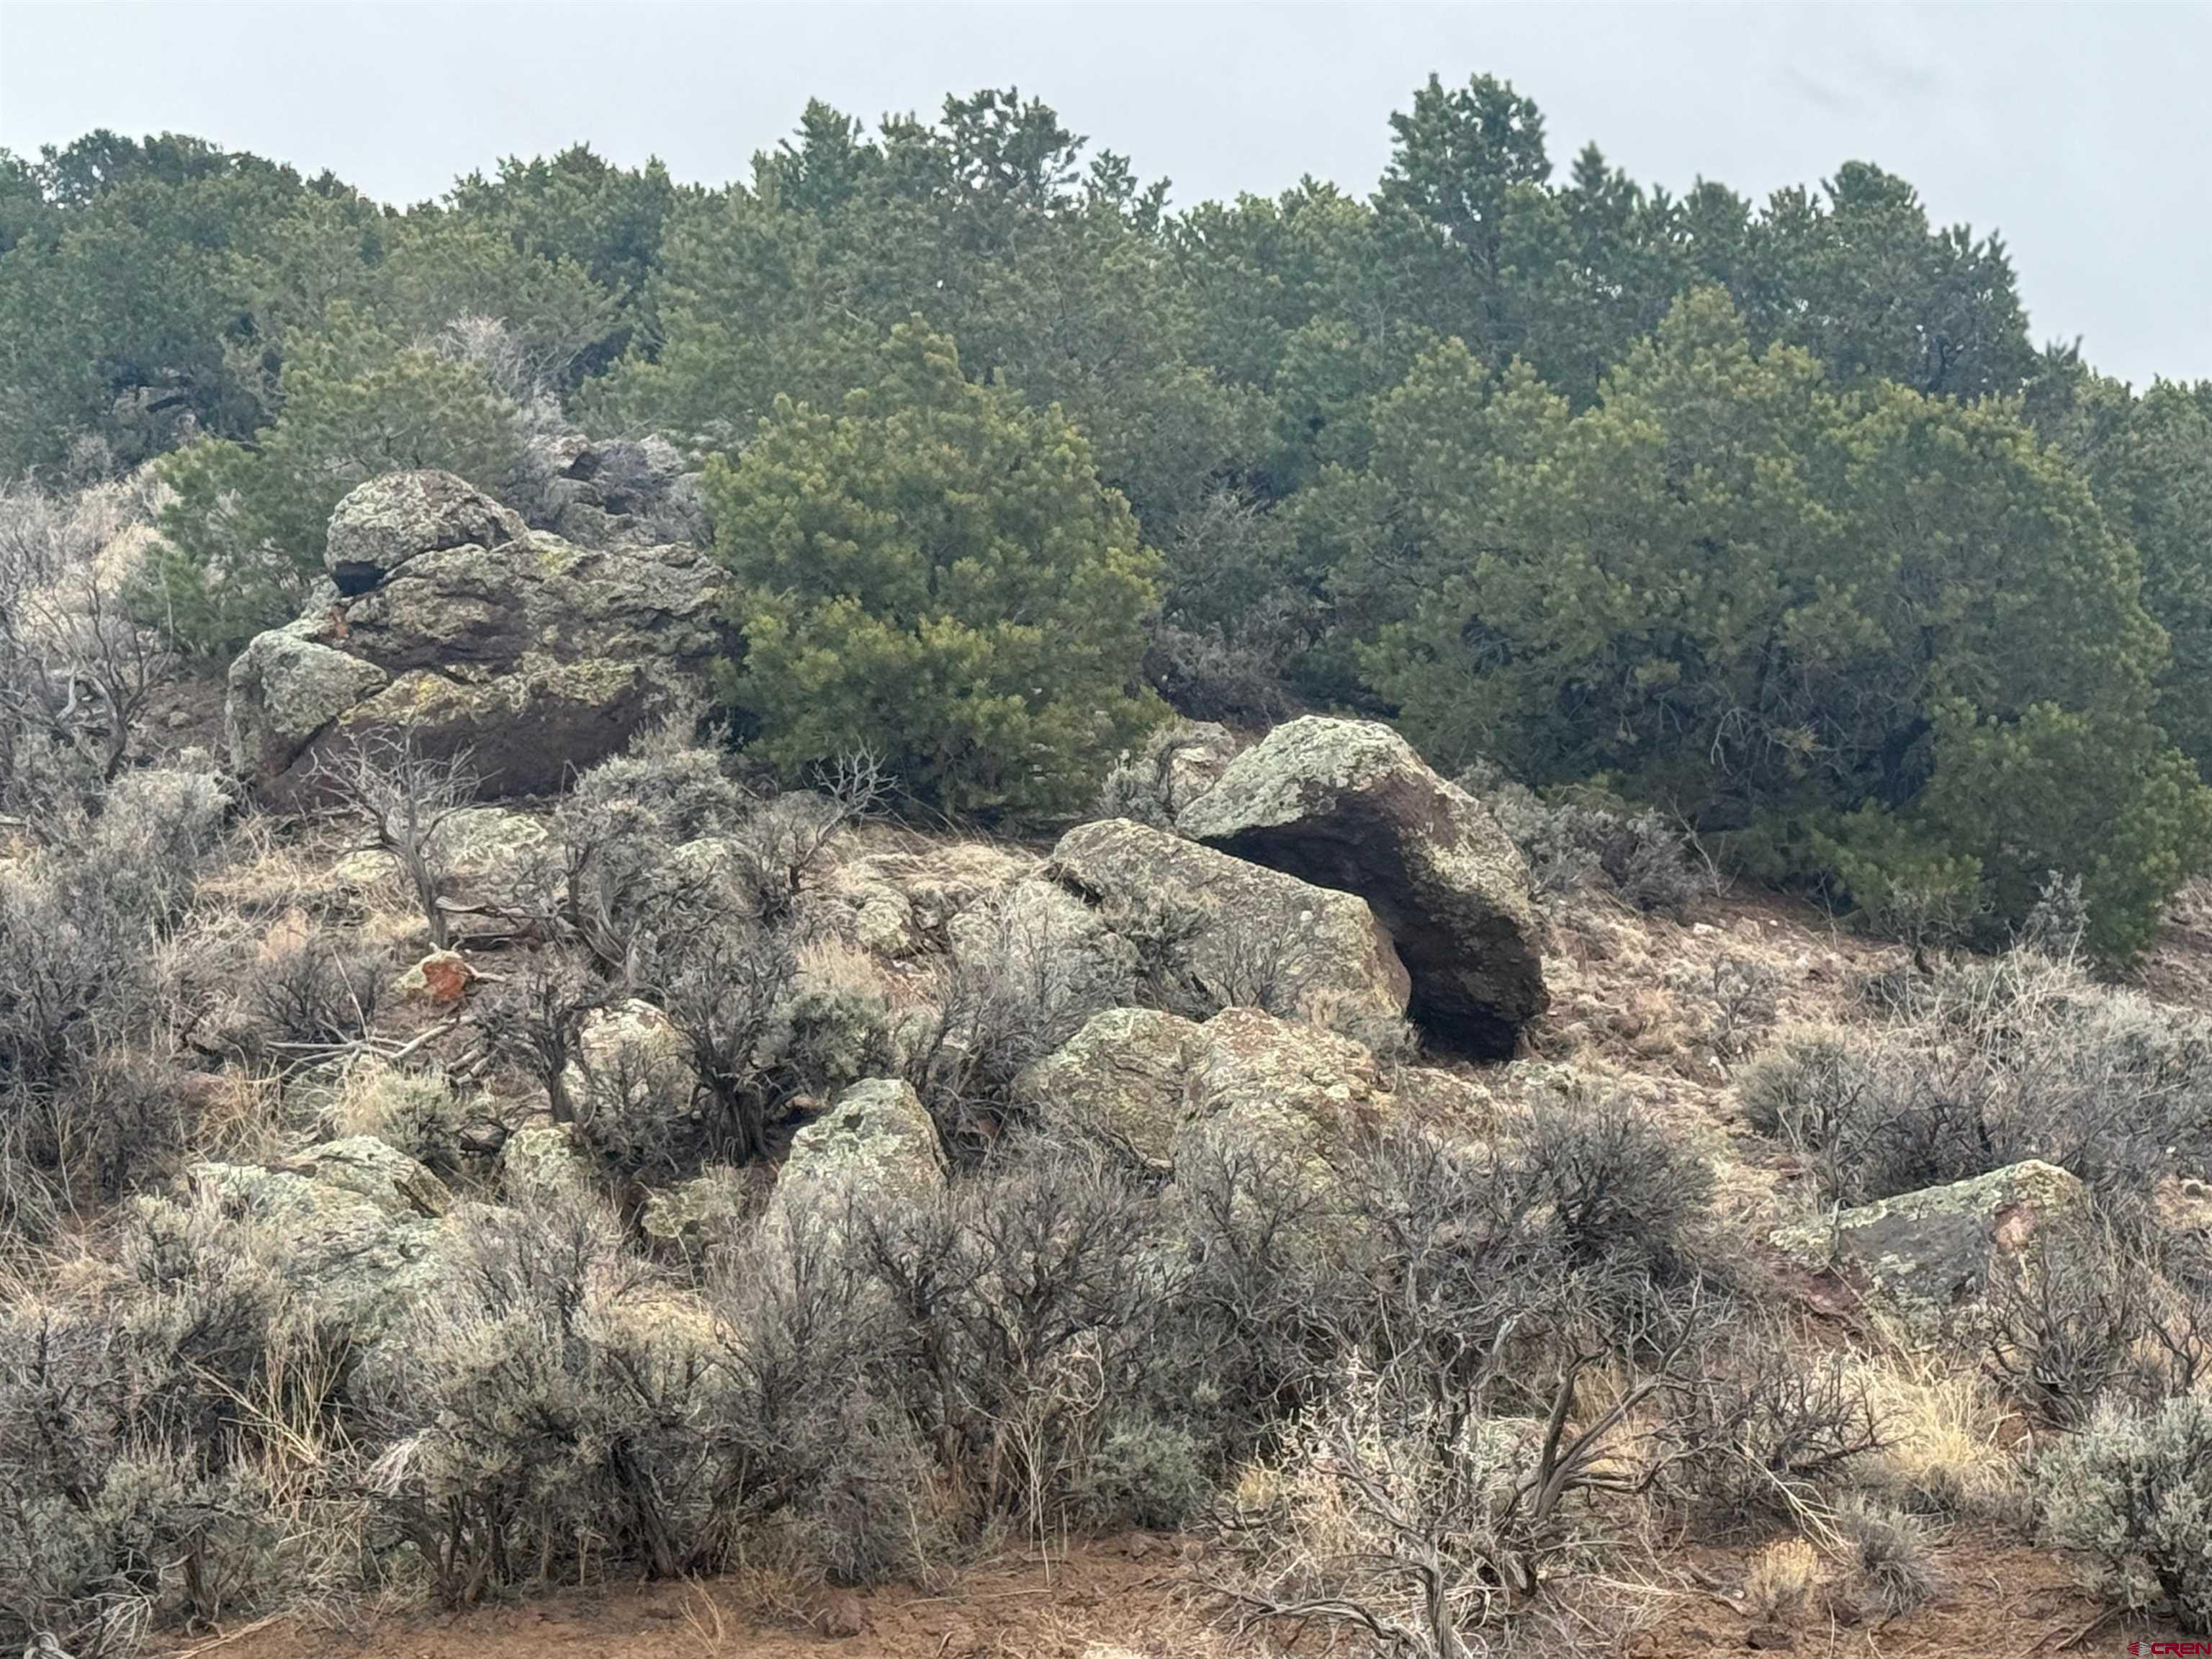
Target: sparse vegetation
409 1199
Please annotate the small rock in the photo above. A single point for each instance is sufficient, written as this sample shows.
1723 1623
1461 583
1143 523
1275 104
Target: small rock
442 979
844 1616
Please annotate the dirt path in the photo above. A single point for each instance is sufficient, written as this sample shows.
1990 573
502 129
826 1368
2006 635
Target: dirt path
1127 1599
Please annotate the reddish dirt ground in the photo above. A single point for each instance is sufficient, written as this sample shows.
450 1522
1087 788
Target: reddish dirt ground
1129 1599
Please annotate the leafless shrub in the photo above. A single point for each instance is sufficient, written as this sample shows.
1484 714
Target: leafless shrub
1264 1303
316 992
1583 843
1742 992
723 992
533 1018
1023 985
1765 1430
405 802
1018 1300
2065 1322
1623 1192
543 1407
1426 1527
781 842
133 1488
833 1463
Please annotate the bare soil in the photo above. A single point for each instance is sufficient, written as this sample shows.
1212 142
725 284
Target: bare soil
1133 1598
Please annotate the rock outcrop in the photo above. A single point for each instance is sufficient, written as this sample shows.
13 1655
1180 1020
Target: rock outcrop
617 492
1245 935
1925 1254
1347 803
445 616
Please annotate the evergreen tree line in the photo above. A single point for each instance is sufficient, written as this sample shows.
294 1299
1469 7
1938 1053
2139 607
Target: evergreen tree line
1768 513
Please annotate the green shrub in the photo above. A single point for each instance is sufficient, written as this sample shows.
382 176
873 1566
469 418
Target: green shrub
242 538
1877 641
934 573
2132 1495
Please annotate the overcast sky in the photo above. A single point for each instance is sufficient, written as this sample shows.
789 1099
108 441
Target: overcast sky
2081 132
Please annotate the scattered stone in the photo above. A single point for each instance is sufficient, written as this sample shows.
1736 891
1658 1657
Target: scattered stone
442 979
540 1160
1273 1081
707 1210
1349 804
844 1616
635 1059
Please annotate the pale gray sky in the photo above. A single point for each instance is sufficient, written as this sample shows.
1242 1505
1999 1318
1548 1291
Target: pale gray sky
2081 132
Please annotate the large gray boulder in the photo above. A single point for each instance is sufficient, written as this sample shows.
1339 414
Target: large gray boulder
1286 1086
1247 934
1926 1256
1125 1076
446 616
878 1144
1348 804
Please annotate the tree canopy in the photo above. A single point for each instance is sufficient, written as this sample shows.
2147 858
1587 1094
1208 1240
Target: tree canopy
1769 511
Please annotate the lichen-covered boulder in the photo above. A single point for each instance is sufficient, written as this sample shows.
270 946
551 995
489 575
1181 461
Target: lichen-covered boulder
1925 1256
446 616
1244 1080
285 687
878 1143
1349 804
388 522
899 904
708 1209
539 1161
1125 1075
1247 934
1274 1081
354 1246
375 1170
630 1059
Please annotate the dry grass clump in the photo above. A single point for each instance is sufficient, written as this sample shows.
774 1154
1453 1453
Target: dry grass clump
1780 1583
